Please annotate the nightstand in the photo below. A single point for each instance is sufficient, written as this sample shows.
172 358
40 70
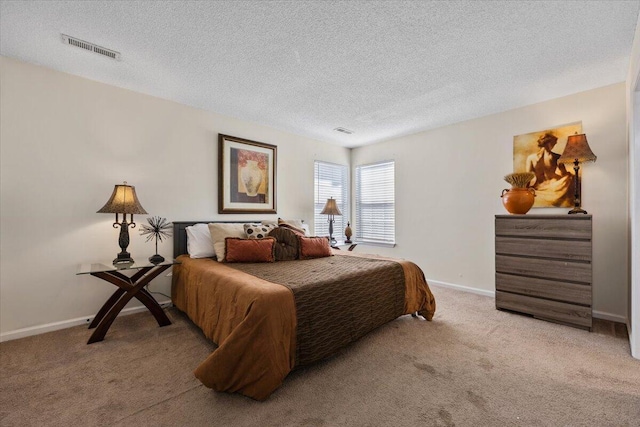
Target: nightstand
341 245
128 288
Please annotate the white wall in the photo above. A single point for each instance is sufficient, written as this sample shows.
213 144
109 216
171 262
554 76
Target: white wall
448 184
66 141
633 120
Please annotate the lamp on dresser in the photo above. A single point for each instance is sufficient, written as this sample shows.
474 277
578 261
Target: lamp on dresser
331 209
123 201
577 151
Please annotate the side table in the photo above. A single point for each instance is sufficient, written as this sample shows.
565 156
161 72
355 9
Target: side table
128 288
340 244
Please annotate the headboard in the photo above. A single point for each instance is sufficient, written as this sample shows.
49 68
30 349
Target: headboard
180 233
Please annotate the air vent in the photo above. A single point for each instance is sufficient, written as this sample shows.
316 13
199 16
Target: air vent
343 130
72 41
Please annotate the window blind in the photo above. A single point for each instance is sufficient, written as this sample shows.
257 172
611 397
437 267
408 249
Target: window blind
375 203
331 180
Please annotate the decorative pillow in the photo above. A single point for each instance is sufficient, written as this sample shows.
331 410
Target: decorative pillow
298 231
258 231
314 247
199 243
295 223
220 231
249 250
287 246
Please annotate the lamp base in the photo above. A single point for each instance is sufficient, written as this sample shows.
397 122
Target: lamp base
123 258
156 259
577 210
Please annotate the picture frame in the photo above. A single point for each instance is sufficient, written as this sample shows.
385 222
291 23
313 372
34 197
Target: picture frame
246 176
538 152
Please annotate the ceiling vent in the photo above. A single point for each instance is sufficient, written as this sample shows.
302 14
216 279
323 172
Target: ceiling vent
72 41
343 130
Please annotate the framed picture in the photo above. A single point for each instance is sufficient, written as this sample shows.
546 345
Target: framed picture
246 176
538 152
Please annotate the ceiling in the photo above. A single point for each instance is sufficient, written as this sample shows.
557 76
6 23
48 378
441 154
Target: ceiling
381 69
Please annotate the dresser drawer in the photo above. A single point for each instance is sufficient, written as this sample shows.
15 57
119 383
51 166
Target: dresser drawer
576 228
545 309
545 248
542 288
545 268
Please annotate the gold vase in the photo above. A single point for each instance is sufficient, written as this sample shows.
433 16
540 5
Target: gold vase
348 233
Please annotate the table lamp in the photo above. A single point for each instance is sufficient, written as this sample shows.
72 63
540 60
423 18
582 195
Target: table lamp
577 151
123 201
331 209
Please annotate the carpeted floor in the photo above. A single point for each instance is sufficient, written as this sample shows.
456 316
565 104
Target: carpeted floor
471 366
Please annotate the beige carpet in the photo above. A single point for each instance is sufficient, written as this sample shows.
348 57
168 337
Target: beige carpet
471 366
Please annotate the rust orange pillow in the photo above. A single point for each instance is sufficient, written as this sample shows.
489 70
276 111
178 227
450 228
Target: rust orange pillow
249 250
314 247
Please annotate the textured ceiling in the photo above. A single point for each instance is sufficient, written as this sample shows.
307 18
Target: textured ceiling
381 69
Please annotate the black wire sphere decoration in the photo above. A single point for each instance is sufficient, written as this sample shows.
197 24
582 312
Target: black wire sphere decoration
158 229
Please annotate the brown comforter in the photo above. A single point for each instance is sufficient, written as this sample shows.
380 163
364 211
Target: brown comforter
269 318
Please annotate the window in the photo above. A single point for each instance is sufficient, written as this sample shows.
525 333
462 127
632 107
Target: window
375 203
331 180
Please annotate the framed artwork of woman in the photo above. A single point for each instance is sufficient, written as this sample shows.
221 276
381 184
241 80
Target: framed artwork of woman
538 152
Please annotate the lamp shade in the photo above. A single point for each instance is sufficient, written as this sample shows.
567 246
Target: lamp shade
123 201
577 149
331 208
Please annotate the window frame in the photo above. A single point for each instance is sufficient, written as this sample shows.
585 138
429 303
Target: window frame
320 223
389 239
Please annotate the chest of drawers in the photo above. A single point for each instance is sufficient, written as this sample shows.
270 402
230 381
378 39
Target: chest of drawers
543 267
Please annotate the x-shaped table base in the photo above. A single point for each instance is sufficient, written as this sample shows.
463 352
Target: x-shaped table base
128 288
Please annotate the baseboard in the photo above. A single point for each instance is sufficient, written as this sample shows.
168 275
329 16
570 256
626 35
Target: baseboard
461 288
596 314
609 316
49 327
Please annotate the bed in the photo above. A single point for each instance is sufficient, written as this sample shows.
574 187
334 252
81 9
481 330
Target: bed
270 318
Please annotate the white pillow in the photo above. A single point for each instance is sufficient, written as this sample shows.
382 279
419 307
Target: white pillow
199 243
220 231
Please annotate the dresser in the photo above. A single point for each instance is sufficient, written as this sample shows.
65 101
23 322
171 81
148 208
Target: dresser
543 267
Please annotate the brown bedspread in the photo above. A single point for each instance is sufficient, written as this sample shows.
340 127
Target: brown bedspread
250 311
